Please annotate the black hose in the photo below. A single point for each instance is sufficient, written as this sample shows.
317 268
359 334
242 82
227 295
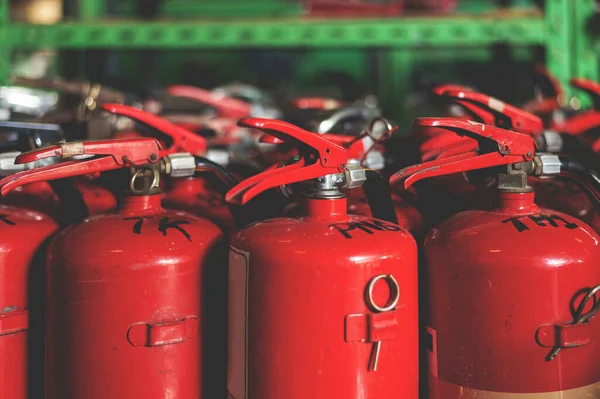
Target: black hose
72 205
207 168
584 177
267 205
379 196
576 148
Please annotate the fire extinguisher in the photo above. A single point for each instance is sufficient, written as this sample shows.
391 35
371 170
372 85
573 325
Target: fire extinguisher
510 290
324 305
126 291
55 200
200 195
560 195
23 234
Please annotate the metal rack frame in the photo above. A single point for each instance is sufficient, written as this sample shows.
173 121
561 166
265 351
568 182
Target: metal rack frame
560 30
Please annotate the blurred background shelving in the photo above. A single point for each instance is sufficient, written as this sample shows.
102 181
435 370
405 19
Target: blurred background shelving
271 43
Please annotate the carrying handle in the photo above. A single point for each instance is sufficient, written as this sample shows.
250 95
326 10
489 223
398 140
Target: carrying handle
550 102
318 157
183 140
590 87
585 121
106 155
496 147
227 107
491 111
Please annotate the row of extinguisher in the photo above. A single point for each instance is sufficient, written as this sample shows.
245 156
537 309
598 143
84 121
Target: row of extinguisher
223 251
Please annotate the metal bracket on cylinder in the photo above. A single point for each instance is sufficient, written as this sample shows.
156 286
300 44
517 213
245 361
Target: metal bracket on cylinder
14 322
566 335
371 327
167 333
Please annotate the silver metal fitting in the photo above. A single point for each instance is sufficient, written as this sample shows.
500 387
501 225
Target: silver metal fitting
355 176
180 165
546 165
554 142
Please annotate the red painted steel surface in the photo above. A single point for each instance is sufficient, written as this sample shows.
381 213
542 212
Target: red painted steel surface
98 199
37 196
127 301
195 195
494 277
40 197
299 322
22 234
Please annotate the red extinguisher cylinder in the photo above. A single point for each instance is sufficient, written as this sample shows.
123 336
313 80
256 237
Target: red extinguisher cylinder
136 298
22 237
511 291
324 305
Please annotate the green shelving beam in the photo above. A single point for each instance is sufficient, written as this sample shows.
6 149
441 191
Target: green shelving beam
585 54
561 30
284 33
5 51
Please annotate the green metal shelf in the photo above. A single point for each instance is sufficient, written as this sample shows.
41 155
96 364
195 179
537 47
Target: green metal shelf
517 29
560 30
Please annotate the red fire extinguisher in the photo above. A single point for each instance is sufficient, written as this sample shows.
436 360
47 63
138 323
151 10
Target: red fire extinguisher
195 194
560 195
324 305
511 291
22 237
127 291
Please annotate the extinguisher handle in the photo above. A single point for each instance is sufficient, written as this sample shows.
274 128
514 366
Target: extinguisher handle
443 89
183 140
318 157
590 87
496 147
491 111
585 121
547 102
316 103
226 106
106 155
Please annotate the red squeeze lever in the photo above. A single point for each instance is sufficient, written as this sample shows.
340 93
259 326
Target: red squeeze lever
319 157
110 154
492 111
227 107
509 148
183 140
355 148
587 120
